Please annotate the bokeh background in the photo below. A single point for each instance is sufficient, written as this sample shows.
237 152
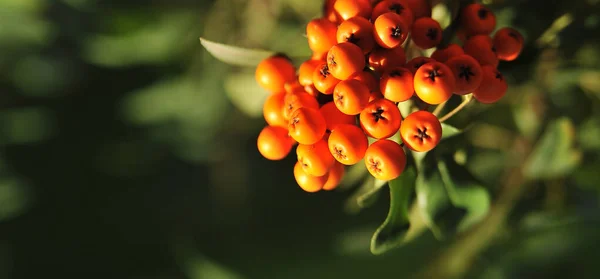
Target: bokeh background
128 151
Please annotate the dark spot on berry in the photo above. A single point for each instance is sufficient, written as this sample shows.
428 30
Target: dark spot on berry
499 76
378 114
465 72
396 32
422 134
295 121
433 74
513 35
331 60
482 13
396 8
395 73
432 34
352 39
374 165
493 49
324 71
339 153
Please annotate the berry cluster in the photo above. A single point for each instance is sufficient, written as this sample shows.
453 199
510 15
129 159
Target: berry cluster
358 74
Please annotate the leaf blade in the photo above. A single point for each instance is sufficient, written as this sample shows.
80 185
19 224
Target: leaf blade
235 55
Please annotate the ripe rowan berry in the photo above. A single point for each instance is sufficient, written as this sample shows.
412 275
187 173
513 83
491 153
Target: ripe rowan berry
426 32
323 80
306 70
493 86
321 35
307 125
367 77
390 30
434 83
477 19
334 117
348 143
273 110
414 64
385 159
375 95
419 8
307 182
467 73
294 87
443 54
346 9
328 11
383 59
482 49
508 43
272 73
351 96
344 60
294 101
421 131
397 85
274 143
380 119
336 173
399 7
357 30
315 158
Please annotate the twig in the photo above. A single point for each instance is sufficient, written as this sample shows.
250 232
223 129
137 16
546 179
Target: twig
462 105
439 108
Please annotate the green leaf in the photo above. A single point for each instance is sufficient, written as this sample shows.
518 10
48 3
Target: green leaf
245 93
234 55
464 192
449 131
392 232
554 155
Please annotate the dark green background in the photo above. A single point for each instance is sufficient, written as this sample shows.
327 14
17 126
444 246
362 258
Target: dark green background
123 155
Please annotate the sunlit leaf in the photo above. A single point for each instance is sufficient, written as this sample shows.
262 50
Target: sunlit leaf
393 230
449 131
368 195
245 93
554 155
464 192
235 55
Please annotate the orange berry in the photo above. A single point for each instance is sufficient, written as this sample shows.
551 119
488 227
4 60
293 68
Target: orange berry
508 43
482 49
397 85
419 8
357 30
346 9
390 30
347 144
307 125
274 143
315 158
323 80
336 173
344 60
334 117
414 64
351 96
294 101
443 54
367 77
421 131
399 7
493 86
306 70
273 110
426 32
467 73
383 59
385 159
272 73
321 35
380 119
434 83
307 182
477 19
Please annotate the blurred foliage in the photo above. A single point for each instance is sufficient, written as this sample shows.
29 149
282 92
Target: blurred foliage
128 151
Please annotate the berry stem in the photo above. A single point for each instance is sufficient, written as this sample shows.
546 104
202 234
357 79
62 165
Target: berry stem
462 105
439 108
